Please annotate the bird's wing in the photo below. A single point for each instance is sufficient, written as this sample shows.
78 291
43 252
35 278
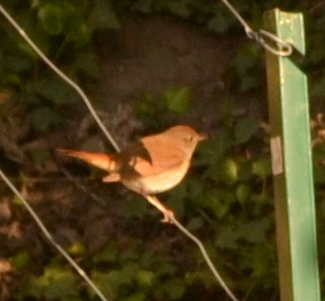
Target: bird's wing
151 157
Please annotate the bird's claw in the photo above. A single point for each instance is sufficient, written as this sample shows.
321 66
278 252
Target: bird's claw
168 216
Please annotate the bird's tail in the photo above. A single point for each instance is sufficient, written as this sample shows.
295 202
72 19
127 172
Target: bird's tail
104 161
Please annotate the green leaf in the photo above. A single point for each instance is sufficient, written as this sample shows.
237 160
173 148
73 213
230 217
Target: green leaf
176 199
103 16
212 150
195 224
174 288
178 100
245 129
262 167
109 283
17 64
52 18
145 279
229 170
243 191
318 89
55 283
55 90
179 8
21 260
260 261
220 23
39 156
228 237
138 296
78 31
61 284
255 231
77 249
109 254
86 63
136 207
225 171
142 6
218 201
43 118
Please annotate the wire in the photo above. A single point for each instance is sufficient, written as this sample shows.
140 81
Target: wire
205 255
62 75
51 239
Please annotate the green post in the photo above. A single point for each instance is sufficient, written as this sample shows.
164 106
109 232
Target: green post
292 164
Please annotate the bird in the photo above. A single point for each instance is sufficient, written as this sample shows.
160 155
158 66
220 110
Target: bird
154 164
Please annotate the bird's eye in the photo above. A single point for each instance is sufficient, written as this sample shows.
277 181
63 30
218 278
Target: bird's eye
189 138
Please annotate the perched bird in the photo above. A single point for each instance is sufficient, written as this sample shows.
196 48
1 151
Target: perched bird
154 164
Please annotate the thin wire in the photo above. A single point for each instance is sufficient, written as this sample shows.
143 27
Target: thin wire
205 255
50 237
271 44
62 75
169 217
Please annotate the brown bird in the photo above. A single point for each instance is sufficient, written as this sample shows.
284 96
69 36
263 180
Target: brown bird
154 164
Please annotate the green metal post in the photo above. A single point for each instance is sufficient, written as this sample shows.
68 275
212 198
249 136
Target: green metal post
291 164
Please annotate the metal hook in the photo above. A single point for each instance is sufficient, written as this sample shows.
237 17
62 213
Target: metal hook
268 40
271 42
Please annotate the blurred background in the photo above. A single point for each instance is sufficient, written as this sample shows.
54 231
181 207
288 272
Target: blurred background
145 65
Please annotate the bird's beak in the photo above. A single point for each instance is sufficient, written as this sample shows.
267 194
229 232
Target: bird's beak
203 137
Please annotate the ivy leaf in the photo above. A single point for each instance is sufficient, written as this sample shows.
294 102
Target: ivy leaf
52 18
108 254
21 260
55 90
44 117
17 64
245 129
78 31
173 288
142 6
179 8
178 100
220 23
110 282
61 284
195 224
318 89
138 296
136 207
260 261
77 249
212 150
243 191
55 283
145 278
39 156
86 63
228 237
103 16
255 231
262 167
218 201
225 171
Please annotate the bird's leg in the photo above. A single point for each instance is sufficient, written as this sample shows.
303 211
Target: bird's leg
166 212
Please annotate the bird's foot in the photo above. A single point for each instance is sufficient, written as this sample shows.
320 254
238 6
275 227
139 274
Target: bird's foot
168 216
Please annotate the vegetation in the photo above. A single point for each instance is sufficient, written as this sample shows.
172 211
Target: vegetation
226 199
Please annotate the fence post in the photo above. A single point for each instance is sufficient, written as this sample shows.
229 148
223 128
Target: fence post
292 164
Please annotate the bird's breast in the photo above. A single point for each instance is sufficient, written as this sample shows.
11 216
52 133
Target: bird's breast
157 183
